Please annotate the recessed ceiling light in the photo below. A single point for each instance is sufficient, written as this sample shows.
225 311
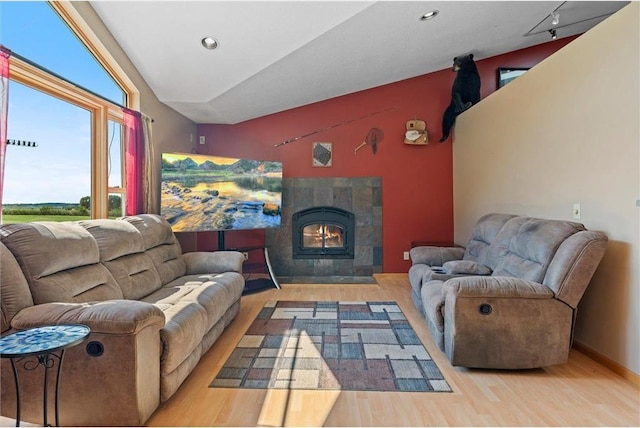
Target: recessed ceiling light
210 43
429 15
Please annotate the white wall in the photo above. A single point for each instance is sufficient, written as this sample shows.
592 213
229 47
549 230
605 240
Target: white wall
566 132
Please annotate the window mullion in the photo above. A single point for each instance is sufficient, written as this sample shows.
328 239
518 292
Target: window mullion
99 159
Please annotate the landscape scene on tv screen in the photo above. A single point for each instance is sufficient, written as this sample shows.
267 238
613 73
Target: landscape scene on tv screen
204 192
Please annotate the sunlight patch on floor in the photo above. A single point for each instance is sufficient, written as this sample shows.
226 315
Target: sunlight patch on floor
305 407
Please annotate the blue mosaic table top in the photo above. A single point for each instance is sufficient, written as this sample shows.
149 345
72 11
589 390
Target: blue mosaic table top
42 339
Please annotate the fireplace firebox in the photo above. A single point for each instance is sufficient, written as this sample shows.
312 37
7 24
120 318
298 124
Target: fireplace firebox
323 233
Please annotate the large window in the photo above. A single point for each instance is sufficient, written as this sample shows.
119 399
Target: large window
62 99
52 171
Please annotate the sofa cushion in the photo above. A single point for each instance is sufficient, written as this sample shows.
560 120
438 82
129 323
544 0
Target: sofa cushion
14 293
136 275
533 246
82 284
185 326
122 253
49 247
160 245
500 245
114 238
116 317
215 292
155 230
60 262
484 234
468 267
192 305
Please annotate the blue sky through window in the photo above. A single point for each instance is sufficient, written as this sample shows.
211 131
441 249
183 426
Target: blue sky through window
34 30
59 169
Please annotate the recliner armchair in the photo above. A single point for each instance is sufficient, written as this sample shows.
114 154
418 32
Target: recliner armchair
509 299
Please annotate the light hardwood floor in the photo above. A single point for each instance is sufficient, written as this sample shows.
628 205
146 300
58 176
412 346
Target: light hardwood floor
579 393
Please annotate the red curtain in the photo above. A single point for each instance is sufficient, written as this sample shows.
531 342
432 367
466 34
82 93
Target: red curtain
4 107
134 162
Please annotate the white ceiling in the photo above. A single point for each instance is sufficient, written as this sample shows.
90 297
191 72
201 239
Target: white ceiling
275 55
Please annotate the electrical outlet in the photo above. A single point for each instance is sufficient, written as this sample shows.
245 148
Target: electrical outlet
246 256
406 255
576 211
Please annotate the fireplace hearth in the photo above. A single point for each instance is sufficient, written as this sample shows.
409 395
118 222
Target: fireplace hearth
323 233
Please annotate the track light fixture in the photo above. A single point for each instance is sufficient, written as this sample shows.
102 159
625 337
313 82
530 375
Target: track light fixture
555 18
553 34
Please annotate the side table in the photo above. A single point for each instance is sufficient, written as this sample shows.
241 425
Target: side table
43 344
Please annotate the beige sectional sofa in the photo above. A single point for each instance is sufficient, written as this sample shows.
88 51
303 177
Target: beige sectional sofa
508 300
153 312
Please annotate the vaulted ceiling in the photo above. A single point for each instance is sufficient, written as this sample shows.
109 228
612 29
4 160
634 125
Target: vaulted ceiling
277 55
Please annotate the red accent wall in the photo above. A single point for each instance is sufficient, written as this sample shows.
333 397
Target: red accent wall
417 181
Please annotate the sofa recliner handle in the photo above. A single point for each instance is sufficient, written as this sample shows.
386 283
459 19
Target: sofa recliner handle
485 309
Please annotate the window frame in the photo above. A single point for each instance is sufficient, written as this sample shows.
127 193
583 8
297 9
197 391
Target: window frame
101 110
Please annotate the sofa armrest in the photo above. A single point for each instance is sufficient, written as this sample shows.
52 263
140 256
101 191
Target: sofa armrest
121 359
496 286
435 256
111 316
201 262
504 322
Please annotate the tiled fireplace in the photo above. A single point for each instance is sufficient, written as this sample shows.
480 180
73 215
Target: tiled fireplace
338 230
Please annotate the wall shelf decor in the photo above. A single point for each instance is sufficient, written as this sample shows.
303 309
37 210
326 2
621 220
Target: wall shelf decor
416 133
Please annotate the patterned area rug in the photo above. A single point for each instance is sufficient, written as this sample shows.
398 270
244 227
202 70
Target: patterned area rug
331 345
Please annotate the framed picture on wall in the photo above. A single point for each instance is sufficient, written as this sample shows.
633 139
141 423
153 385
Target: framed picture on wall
506 75
322 154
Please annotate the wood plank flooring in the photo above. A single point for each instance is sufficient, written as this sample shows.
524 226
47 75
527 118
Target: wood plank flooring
579 393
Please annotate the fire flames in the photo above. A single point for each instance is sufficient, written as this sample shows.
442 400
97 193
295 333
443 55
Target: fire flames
316 235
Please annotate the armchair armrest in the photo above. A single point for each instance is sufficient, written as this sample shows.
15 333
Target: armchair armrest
496 286
111 316
201 262
435 256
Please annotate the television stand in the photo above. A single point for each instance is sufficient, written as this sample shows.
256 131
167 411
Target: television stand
258 284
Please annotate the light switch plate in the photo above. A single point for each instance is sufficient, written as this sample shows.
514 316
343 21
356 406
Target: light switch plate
576 211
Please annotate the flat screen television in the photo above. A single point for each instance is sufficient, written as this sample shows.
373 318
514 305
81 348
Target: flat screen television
214 193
